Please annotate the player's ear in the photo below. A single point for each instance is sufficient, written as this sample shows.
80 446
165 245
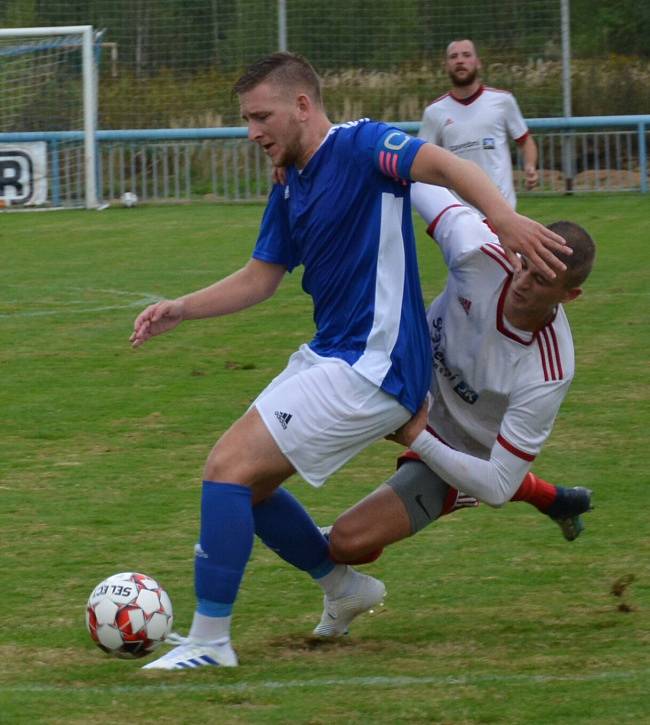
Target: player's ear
304 105
572 294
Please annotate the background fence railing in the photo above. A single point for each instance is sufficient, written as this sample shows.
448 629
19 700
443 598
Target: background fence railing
588 154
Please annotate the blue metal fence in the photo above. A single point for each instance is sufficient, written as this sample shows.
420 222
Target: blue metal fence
603 153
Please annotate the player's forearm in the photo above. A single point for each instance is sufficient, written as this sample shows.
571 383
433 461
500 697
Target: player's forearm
529 153
435 165
489 481
244 288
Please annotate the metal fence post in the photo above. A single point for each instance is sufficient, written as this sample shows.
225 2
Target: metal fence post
567 139
282 25
643 158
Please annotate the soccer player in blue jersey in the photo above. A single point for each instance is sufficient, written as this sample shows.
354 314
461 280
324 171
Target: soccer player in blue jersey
344 215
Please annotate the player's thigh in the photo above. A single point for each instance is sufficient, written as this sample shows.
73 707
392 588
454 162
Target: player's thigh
247 454
376 521
325 414
421 491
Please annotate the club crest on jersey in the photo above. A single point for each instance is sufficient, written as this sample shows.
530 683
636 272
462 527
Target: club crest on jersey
489 143
465 304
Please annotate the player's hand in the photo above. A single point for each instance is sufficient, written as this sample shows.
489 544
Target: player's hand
531 177
413 427
518 233
279 175
156 319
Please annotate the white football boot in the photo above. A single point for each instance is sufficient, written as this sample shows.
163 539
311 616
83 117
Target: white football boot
364 594
191 654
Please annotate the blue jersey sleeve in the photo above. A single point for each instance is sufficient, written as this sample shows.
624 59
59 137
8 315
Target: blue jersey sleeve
394 153
274 239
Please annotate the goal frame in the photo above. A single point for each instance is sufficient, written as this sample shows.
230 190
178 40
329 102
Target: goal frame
89 95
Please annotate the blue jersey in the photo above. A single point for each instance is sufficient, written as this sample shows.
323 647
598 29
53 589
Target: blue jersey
347 218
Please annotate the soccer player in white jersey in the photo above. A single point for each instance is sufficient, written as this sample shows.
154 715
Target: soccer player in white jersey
344 214
476 122
503 361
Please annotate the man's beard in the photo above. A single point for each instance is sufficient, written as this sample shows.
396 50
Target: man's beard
462 82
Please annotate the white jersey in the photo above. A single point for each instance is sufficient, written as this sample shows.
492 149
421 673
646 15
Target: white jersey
478 128
496 389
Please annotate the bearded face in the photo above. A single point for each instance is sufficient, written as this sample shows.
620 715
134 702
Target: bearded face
462 63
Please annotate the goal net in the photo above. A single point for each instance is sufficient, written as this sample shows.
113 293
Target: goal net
47 117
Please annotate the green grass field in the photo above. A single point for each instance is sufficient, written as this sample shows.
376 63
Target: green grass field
491 616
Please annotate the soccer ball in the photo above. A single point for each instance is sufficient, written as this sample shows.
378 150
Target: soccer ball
129 199
129 614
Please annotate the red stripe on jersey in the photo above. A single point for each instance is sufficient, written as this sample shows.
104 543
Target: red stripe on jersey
388 164
556 347
393 166
486 249
550 352
542 352
499 250
382 161
470 99
500 324
543 333
514 450
488 224
431 228
521 139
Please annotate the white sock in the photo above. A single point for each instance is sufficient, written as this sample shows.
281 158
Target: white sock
209 629
338 582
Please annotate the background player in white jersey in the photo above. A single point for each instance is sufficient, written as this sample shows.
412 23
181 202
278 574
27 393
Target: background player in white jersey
344 214
503 361
477 122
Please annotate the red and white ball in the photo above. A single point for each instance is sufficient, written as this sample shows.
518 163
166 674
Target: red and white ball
129 614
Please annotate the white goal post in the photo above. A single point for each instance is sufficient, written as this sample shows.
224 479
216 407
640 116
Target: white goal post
48 80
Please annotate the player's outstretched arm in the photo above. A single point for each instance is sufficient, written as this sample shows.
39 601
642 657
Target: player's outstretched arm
517 233
253 283
154 320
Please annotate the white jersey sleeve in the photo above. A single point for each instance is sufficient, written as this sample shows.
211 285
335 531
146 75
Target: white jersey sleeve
494 481
525 427
514 119
430 128
457 228
529 419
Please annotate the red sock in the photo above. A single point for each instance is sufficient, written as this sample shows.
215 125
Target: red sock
367 559
535 491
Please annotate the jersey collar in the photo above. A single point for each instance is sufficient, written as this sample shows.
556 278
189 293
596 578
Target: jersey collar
469 99
523 337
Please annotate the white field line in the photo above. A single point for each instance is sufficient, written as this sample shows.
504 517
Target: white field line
68 307
319 683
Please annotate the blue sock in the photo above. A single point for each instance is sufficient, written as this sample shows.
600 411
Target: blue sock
284 526
224 547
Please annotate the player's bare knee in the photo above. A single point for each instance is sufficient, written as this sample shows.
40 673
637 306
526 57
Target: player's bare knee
348 540
223 465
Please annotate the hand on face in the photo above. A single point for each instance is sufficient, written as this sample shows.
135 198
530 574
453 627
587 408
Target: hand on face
519 234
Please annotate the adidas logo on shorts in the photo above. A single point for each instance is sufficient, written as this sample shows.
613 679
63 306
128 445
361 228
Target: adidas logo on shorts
284 418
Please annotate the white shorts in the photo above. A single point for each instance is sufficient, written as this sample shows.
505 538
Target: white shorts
321 413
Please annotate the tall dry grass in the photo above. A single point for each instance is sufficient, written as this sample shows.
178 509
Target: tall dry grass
609 86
